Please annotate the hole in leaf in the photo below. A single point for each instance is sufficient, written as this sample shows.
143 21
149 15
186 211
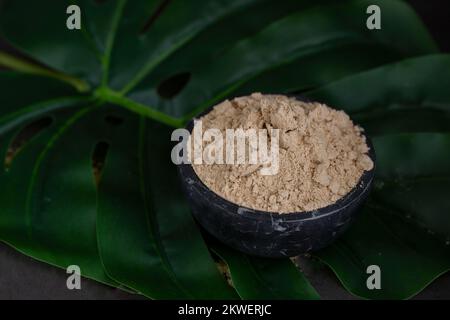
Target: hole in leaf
98 160
158 11
25 135
173 85
114 120
223 268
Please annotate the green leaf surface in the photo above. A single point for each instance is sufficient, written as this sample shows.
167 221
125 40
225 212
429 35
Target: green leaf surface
405 228
144 224
216 45
124 221
408 96
46 38
321 68
47 191
52 210
260 278
316 34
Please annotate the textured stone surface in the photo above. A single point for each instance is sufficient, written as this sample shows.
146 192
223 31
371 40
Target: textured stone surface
24 278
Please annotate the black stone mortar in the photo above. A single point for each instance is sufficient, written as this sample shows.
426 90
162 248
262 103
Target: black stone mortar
270 234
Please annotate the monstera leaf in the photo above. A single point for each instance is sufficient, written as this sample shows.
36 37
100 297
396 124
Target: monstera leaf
86 116
409 96
128 52
259 278
405 227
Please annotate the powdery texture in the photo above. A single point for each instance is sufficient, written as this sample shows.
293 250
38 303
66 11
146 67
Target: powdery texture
322 154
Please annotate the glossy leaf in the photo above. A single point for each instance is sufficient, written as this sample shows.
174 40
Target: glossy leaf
316 34
49 207
403 229
47 191
147 237
318 69
133 57
124 219
259 278
408 96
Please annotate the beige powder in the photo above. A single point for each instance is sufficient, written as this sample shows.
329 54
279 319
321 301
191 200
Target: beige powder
322 154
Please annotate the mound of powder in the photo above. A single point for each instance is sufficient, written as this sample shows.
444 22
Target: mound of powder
322 154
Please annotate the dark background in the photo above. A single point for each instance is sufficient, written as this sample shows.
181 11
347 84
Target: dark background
24 278
436 16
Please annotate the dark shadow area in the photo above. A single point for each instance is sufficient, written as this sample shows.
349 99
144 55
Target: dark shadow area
436 16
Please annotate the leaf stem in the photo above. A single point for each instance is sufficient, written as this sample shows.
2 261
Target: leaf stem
108 95
21 65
